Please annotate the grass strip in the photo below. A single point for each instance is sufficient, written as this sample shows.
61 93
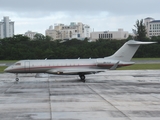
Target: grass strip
145 59
141 67
2 68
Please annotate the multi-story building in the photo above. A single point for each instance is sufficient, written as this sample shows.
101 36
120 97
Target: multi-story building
30 34
152 27
120 34
6 28
61 31
53 33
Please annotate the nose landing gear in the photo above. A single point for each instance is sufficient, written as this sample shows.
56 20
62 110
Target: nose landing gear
17 79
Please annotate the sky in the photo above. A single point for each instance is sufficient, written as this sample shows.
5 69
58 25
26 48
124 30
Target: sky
100 15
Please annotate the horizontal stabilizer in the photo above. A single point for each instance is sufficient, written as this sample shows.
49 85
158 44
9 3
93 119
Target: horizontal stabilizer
133 42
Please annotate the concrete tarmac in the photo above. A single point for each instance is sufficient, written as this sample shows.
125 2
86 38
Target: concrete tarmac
114 95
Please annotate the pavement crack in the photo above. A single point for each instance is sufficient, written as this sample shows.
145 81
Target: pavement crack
49 96
108 101
8 88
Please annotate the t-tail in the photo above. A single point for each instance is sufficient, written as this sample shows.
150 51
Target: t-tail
127 51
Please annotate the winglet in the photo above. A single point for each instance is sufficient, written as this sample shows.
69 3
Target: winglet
114 66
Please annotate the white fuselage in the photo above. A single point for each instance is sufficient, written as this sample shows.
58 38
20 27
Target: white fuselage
43 66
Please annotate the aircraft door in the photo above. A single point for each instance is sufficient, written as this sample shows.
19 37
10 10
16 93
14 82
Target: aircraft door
27 66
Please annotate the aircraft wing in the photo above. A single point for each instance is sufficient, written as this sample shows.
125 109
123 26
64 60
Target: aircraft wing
73 71
77 71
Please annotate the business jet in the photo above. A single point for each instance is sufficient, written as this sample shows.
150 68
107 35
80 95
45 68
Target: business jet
78 66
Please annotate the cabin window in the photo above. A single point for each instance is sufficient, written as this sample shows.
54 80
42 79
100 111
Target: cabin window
18 64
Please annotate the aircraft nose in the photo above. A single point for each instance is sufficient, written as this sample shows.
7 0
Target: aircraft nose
6 70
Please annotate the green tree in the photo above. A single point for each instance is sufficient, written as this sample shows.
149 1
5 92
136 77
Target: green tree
130 37
155 38
140 30
20 47
39 36
48 38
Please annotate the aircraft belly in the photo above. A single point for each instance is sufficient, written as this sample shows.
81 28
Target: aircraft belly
38 70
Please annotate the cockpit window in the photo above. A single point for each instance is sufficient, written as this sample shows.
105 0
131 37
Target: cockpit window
18 64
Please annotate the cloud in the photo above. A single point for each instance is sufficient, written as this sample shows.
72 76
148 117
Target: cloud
38 15
46 7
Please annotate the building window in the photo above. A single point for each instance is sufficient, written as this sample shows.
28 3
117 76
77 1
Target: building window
78 35
111 35
103 35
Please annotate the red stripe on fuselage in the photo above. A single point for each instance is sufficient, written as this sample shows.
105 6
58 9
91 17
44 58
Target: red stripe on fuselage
45 68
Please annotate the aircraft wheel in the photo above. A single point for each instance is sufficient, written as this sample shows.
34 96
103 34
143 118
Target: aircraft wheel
17 79
82 77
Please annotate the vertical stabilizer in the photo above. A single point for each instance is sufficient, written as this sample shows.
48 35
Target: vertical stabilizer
126 52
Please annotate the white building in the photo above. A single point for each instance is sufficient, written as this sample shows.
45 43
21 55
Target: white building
61 31
120 34
53 33
6 28
30 34
152 27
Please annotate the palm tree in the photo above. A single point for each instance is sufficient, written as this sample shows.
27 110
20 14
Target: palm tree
140 31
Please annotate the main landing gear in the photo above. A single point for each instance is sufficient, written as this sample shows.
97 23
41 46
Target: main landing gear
82 77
